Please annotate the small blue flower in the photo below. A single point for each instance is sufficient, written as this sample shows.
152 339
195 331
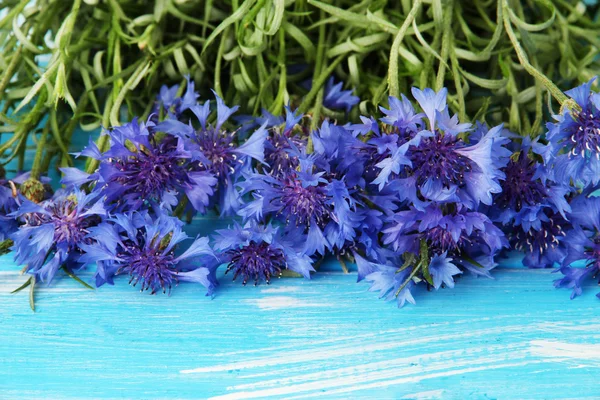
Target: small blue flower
392 284
335 98
583 244
53 232
144 248
575 139
259 253
173 105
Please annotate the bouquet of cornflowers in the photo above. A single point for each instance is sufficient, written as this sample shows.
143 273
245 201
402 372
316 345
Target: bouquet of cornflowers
407 139
413 196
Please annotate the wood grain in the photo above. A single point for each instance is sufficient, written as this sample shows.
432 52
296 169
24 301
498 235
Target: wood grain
511 337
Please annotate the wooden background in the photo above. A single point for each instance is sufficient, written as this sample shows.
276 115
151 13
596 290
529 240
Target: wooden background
511 337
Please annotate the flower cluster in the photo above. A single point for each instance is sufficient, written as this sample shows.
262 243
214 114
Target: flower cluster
412 196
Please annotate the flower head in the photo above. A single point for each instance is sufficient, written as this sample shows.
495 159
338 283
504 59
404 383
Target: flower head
259 253
575 138
582 245
438 165
532 208
336 98
143 167
434 246
53 232
308 200
218 151
144 248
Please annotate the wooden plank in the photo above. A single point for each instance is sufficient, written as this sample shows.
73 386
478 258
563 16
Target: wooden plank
514 336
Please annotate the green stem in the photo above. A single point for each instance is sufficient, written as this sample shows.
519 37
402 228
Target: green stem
447 37
39 155
524 61
393 82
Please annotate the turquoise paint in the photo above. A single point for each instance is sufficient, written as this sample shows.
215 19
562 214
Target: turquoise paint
511 337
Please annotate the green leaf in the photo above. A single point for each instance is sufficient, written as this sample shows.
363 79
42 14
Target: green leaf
356 19
533 27
24 285
32 294
492 84
288 273
234 17
76 278
277 18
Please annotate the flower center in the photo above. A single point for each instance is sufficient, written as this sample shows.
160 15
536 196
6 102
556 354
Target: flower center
519 188
436 157
151 171
150 267
256 261
217 147
303 203
539 240
441 240
276 154
69 227
586 134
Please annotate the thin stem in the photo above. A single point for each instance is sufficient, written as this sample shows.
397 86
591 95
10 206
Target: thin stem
393 68
524 61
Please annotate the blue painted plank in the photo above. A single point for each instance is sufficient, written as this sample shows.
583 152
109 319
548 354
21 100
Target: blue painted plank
514 336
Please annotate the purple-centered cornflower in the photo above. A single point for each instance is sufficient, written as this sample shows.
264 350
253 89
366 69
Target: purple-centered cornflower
144 248
52 233
259 253
438 165
434 246
575 139
383 138
286 137
583 245
531 208
307 199
216 151
144 168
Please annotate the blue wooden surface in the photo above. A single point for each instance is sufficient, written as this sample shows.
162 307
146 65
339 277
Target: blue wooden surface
511 337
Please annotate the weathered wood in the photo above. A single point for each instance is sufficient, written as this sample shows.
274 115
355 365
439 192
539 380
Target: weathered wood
512 337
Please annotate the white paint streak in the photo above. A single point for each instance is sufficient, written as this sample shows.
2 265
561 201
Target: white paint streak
278 302
282 289
566 351
351 347
430 394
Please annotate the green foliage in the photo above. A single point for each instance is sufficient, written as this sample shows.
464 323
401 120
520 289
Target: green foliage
95 63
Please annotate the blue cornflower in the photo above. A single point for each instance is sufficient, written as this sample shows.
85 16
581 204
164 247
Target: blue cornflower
306 199
389 135
142 167
335 98
144 248
434 246
583 244
284 143
259 253
215 149
8 204
575 139
53 232
438 165
173 105
531 208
